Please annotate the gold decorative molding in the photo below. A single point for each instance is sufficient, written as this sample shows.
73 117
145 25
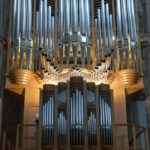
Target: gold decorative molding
128 77
21 76
24 78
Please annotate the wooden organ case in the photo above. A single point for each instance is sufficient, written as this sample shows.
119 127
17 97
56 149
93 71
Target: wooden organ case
76 114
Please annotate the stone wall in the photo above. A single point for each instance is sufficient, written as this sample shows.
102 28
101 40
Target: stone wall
144 28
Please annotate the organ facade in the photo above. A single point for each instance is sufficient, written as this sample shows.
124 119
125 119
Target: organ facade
72 75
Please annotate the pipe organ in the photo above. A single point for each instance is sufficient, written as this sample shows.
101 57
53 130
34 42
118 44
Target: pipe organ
77 52
79 104
96 35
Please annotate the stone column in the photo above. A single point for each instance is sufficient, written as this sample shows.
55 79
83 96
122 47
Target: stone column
120 133
31 109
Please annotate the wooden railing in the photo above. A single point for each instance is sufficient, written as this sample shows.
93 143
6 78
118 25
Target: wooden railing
135 133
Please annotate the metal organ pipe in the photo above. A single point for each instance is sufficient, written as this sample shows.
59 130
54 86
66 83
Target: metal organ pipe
124 19
49 32
103 17
67 16
13 28
45 21
108 27
41 24
99 26
74 16
87 18
23 19
29 18
82 18
61 15
119 27
29 35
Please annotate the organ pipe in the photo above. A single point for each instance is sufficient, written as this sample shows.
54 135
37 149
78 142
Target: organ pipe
80 130
119 27
69 28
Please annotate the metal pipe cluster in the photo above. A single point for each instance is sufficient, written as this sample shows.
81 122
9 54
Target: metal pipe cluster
98 121
104 32
105 117
69 33
45 37
126 35
75 28
45 28
77 115
92 129
21 35
48 121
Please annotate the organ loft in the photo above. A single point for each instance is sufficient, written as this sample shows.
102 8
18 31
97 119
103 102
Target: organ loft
74 75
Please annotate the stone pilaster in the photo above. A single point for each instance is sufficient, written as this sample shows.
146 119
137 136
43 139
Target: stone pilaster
31 109
120 129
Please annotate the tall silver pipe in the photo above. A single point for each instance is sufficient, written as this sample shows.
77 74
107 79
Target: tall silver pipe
50 118
41 23
97 41
124 18
29 34
15 3
23 18
80 114
45 23
76 109
74 124
49 32
82 18
67 16
18 19
103 17
43 115
23 27
29 18
52 126
135 37
13 28
100 34
87 17
62 126
37 30
74 17
108 27
53 33
62 18
71 102
111 31
119 22
49 109
77 113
